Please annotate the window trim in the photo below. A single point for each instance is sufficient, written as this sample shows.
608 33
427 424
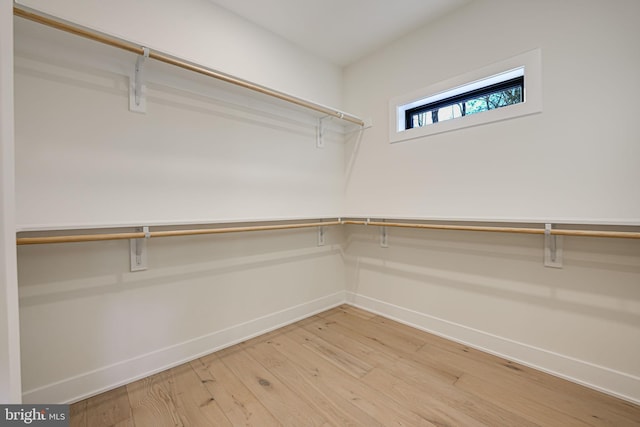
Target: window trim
527 65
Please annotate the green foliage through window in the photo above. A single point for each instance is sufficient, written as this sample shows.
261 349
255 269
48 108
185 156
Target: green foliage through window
472 102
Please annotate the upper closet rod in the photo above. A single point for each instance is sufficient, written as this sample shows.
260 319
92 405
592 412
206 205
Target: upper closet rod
33 15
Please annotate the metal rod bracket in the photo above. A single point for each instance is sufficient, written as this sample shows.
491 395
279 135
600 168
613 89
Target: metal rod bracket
552 248
321 236
137 88
138 250
320 130
320 134
384 237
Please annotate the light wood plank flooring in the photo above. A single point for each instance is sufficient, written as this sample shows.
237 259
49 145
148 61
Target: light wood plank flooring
347 367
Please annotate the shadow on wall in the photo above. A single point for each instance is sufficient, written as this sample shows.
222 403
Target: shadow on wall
98 80
600 277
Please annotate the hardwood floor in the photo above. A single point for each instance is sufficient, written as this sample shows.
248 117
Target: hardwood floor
347 367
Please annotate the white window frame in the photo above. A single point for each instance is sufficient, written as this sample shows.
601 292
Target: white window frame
530 62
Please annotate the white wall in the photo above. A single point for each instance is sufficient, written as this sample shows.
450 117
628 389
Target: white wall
10 385
203 152
572 161
569 162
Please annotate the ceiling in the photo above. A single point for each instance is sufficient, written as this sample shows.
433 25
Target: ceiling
341 31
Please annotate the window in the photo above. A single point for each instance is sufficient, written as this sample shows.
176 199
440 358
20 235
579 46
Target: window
504 90
475 101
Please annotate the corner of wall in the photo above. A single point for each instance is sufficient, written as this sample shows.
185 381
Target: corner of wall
10 382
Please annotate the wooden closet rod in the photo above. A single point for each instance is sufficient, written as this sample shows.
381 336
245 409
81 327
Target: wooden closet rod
521 230
33 15
169 233
194 232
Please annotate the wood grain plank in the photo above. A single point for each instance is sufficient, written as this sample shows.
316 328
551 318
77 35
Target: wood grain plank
288 408
516 377
329 378
517 403
342 359
126 423
336 411
236 401
381 339
424 404
389 341
78 414
252 341
196 406
474 406
108 408
152 403
467 359
347 339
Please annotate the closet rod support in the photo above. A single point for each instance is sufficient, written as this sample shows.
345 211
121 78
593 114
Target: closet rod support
138 250
137 99
552 248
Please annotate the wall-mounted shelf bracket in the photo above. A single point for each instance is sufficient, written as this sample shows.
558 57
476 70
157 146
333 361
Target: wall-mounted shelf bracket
321 233
138 250
320 131
137 88
552 248
384 237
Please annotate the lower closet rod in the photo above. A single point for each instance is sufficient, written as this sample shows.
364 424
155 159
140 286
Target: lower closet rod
521 230
169 233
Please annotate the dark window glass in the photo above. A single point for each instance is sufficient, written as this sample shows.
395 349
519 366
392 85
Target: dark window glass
475 101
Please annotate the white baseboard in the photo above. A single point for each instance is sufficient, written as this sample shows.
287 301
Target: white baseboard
109 377
615 383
